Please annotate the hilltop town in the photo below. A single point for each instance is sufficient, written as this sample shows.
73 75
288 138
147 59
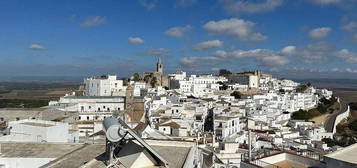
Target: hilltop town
247 119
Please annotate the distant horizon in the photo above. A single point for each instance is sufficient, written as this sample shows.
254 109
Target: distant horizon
81 77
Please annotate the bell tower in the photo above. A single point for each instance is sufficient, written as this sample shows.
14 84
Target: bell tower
159 66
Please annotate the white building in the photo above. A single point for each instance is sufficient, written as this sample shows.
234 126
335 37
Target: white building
138 88
89 104
106 85
324 93
197 85
225 126
40 131
180 75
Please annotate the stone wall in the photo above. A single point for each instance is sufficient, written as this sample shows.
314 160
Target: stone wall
341 117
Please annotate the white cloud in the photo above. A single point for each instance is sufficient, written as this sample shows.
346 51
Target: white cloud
196 61
326 2
351 70
135 40
264 57
36 47
156 52
208 45
321 46
94 21
275 60
243 6
288 50
178 31
236 28
311 56
312 53
347 56
148 4
320 33
351 26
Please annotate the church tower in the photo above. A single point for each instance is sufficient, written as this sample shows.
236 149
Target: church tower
159 66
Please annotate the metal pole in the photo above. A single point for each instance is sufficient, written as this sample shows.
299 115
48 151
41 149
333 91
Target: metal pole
93 129
250 145
111 152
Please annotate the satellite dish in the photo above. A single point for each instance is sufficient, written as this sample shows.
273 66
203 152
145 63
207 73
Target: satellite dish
113 129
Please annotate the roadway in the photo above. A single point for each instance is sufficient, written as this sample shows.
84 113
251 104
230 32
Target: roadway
329 123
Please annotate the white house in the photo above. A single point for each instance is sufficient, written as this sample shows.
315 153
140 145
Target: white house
225 126
106 85
29 130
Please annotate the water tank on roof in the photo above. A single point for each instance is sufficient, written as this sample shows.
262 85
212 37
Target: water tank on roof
113 129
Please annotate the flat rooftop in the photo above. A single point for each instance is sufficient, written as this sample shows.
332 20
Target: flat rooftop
93 97
173 152
286 164
78 157
37 124
347 154
36 150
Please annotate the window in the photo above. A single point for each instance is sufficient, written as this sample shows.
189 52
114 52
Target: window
87 117
89 107
79 118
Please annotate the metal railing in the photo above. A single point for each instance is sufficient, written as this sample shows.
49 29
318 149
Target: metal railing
255 160
257 155
263 164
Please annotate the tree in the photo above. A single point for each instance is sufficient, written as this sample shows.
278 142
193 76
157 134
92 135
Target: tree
353 106
147 78
125 81
153 82
321 108
236 94
136 77
340 128
301 88
223 87
353 125
330 142
224 72
281 90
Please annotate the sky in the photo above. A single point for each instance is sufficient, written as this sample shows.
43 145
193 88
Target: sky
288 38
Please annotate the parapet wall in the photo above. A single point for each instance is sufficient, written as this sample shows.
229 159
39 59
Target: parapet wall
341 117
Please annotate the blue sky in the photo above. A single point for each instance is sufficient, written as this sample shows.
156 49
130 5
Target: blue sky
289 38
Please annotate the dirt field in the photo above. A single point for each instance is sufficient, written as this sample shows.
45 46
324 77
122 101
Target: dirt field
36 94
349 96
320 119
